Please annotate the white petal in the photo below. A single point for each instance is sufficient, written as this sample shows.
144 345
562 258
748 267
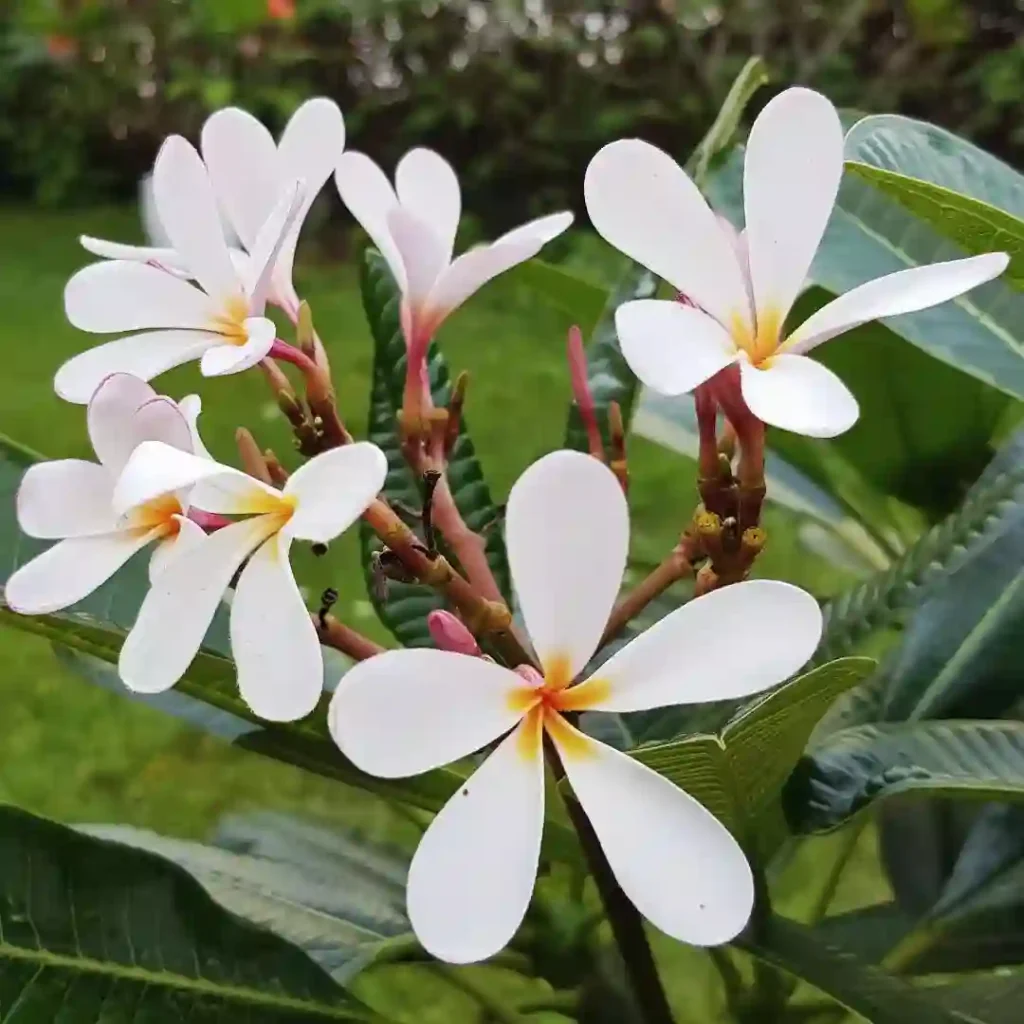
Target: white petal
273 640
671 347
160 419
428 188
71 570
333 489
109 418
567 532
121 296
221 360
156 469
642 202
470 272
242 161
159 256
423 253
906 291
406 711
188 211
143 355
191 406
679 866
473 874
692 655
790 180
543 229
167 549
263 257
181 603
311 144
798 394
66 498
368 194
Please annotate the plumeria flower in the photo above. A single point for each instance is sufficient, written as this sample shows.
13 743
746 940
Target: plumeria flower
414 226
273 641
644 204
408 711
71 501
218 321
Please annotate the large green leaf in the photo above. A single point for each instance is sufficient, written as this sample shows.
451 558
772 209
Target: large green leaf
869 236
576 296
963 192
406 607
857 767
802 954
989 999
100 932
739 774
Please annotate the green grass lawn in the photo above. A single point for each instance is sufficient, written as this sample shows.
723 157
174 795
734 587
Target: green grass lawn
77 753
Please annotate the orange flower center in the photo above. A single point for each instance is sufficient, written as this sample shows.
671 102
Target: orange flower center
159 512
231 323
763 342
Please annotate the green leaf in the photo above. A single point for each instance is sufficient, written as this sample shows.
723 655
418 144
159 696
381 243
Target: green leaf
578 297
739 775
341 899
855 768
991 506
119 934
608 373
964 193
989 999
870 236
405 610
801 953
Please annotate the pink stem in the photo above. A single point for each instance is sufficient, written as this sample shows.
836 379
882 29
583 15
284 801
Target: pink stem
209 521
581 391
290 354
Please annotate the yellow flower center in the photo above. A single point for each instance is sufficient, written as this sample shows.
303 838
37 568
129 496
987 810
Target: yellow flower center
763 342
159 512
231 323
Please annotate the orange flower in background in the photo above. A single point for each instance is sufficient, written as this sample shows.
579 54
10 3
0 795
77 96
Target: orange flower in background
61 47
281 10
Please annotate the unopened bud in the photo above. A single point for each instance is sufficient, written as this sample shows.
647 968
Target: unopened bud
450 634
305 336
530 674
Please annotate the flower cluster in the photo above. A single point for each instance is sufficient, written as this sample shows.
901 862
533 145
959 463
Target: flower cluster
228 220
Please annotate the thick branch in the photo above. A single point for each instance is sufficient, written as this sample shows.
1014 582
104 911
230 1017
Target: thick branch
343 638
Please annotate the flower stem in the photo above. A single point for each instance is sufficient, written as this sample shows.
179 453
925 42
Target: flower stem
333 633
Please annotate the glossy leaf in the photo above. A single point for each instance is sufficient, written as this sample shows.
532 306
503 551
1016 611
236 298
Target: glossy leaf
990 999
964 193
120 934
854 769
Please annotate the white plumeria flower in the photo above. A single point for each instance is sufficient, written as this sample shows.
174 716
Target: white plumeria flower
414 226
220 322
409 711
645 205
273 640
71 501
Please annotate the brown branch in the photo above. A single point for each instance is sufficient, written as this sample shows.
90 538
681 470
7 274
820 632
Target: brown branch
251 457
343 638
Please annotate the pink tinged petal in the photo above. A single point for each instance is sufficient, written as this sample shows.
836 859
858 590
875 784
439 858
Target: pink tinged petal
191 406
66 498
273 640
71 570
121 296
143 355
542 230
692 656
333 489
109 418
160 419
798 394
906 291
406 711
164 258
181 603
368 194
263 258
671 347
241 158
428 188
470 272
156 469
643 203
189 535
791 176
310 147
423 253
567 532
679 866
226 358
473 874
188 211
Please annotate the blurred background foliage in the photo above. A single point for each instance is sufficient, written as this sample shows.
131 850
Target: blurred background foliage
518 94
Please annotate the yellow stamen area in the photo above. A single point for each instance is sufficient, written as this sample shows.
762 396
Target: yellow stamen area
158 512
231 323
258 502
761 345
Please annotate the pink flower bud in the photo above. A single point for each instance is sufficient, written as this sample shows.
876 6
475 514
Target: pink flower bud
450 634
